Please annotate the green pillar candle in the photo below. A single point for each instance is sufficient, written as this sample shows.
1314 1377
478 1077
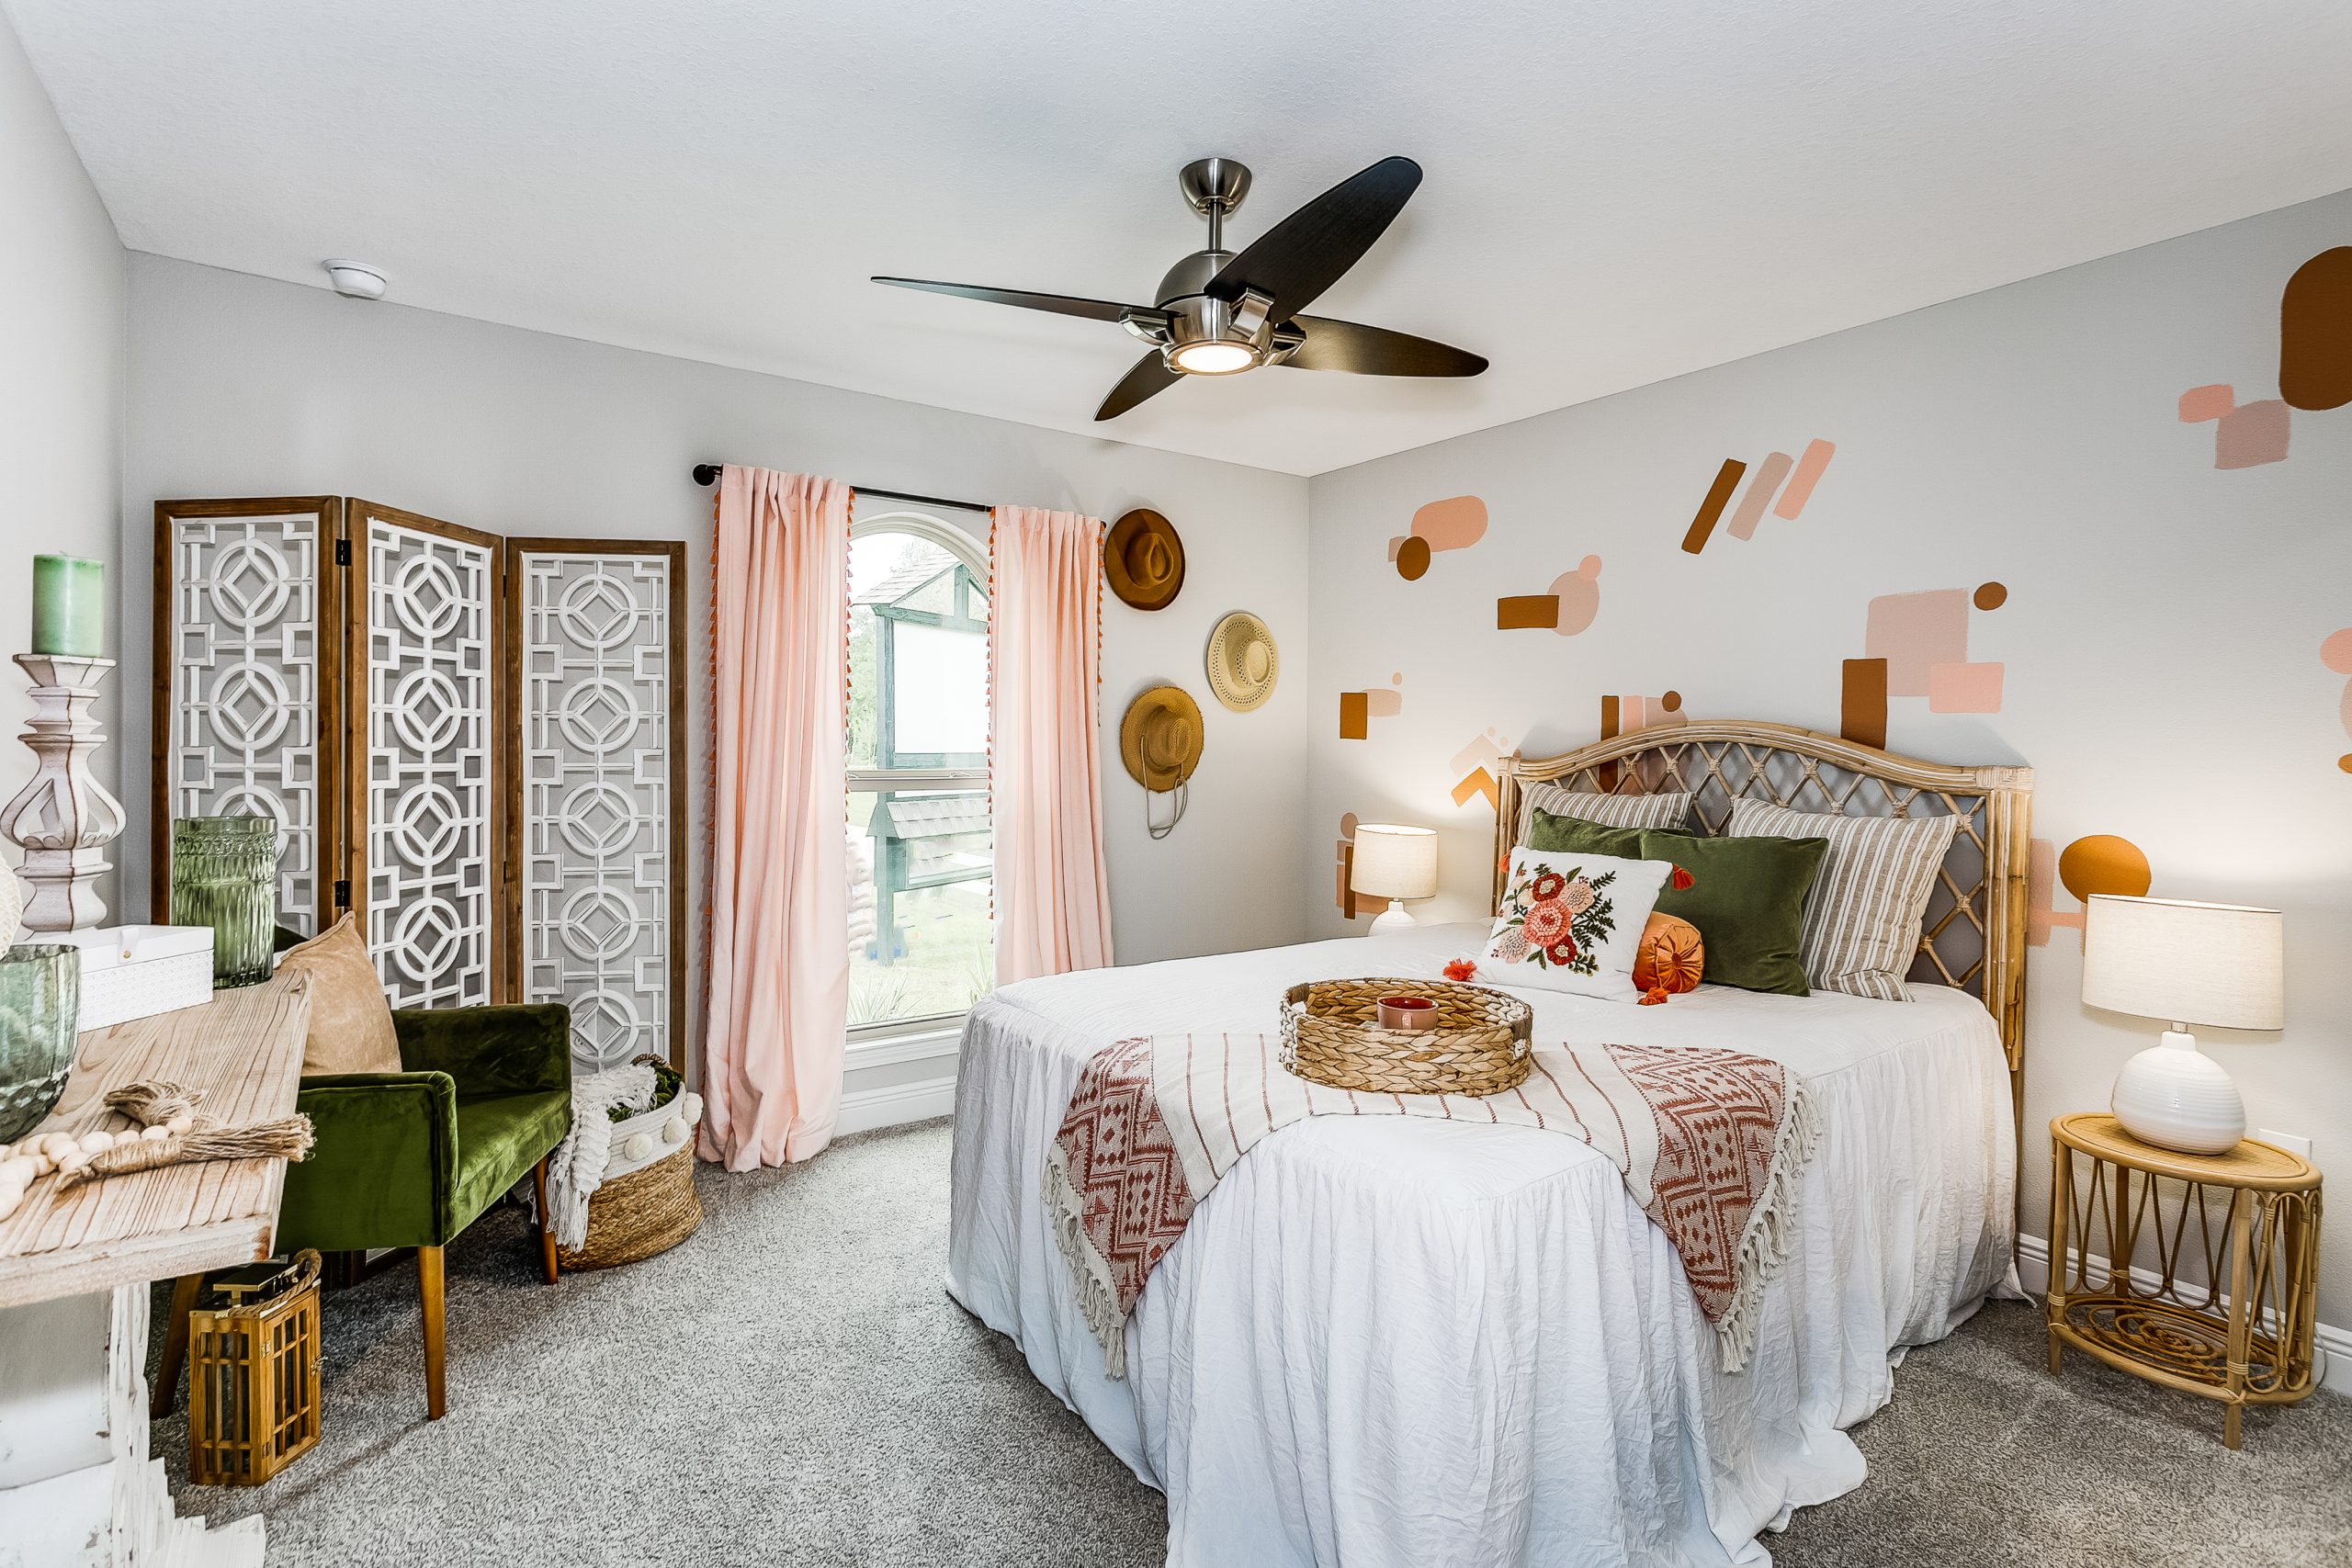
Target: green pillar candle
69 606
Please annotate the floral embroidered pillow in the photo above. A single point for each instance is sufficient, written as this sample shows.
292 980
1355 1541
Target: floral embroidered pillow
1573 922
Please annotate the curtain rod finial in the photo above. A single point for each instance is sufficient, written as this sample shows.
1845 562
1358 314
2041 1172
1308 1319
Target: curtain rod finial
706 473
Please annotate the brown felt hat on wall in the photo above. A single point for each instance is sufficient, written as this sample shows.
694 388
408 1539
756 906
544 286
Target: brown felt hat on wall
1144 559
1160 739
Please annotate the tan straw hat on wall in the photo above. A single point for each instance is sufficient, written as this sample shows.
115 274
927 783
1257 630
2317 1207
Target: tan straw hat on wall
1144 559
1160 742
1242 665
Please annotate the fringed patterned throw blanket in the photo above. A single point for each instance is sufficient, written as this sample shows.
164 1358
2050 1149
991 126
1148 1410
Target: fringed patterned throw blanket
1709 1142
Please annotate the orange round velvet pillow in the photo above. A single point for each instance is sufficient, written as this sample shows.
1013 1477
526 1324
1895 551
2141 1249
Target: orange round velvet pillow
1670 957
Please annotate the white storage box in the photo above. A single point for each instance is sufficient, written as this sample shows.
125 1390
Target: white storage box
134 971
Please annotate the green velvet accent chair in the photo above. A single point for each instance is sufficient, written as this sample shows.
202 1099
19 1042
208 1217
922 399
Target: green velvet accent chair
408 1159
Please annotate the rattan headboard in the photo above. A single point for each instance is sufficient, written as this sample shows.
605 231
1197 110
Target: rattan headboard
1974 934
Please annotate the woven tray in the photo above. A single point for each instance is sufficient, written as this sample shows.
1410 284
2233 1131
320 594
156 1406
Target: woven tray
1331 1035
650 1210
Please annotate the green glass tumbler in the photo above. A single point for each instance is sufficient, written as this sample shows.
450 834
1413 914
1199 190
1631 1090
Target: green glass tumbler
40 1001
225 875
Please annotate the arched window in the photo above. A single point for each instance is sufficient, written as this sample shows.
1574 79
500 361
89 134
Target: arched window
921 853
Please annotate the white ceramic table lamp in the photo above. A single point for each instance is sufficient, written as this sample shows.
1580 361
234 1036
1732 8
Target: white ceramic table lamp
2187 962
1394 863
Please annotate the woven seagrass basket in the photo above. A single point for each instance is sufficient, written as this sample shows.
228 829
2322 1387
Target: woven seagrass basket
1331 1035
650 1209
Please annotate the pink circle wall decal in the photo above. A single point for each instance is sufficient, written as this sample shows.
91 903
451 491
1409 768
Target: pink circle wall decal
1579 593
2336 651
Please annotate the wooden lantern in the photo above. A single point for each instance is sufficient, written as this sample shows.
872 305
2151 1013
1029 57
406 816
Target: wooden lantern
253 1405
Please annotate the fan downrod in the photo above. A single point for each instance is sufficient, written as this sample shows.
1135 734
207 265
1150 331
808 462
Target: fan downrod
1214 189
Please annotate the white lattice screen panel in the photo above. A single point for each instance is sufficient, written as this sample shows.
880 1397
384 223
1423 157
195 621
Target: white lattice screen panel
594 700
429 768
243 645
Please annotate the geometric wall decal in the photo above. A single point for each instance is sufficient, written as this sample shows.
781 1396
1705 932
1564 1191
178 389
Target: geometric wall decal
1861 702
1801 475
243 623
1750 511
601 891
1624 714
1355 720
2105 864
2244 435
429 756
1913 632
1454 524
2336 652
2099 863
1718 494
1358 709
1964 688
2200 404
1527 612
1579 593
2251 434
1475 766
1808 473
1346 857
1568 608
1989 597
2315 332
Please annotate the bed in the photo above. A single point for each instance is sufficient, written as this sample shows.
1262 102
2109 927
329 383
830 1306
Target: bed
1390 1341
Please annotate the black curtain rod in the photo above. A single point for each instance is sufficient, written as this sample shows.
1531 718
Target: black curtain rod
708 474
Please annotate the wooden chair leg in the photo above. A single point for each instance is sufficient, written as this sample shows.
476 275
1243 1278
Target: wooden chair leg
546 1220
166 1391
428 1279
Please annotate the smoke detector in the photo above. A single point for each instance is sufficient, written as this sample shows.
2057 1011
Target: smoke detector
355 280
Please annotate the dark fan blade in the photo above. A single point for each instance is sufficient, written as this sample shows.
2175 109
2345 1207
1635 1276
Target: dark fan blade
1376 351
1150 376
1305 253
1059 304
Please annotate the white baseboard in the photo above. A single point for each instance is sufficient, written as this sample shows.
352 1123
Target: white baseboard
863 1109
2333 1345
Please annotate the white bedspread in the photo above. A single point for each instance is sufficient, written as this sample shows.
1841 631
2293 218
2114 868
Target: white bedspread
1394 1343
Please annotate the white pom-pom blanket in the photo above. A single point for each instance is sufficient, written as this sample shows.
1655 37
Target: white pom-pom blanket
577 1167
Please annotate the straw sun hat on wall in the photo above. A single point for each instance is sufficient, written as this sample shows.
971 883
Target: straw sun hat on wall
1243 666
1160 742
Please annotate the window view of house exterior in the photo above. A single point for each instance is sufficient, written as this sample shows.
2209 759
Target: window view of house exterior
921 853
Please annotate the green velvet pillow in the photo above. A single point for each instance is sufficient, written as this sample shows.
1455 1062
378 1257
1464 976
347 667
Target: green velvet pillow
1746 896
1575 836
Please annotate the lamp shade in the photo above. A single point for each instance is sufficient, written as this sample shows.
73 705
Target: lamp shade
2216 964
1391 861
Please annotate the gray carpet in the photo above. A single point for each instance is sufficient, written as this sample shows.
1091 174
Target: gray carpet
791 1386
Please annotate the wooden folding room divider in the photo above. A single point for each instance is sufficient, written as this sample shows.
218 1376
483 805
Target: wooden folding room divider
468 741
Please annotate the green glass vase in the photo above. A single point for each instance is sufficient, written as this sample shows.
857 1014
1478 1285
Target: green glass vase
41 999
225 875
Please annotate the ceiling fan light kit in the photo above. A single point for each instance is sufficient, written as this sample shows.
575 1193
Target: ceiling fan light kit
1220 314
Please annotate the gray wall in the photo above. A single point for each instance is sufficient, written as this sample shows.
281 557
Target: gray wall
2161 637
244 386
61 386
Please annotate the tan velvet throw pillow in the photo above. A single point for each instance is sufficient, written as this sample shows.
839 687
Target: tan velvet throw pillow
351 1023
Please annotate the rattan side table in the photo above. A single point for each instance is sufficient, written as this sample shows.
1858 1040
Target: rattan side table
2247 1220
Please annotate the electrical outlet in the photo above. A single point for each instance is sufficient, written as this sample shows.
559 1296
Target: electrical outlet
2293 1143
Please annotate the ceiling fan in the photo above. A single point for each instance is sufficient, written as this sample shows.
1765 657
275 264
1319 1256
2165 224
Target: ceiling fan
1218 313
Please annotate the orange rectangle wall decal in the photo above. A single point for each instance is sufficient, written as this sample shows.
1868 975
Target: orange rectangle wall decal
1355 715
1861 703
1718 496
1526 612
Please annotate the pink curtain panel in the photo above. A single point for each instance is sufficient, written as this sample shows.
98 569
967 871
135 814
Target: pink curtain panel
1053 901
779 889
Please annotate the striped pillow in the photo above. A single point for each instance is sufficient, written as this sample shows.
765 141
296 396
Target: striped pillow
1608 810
1862 919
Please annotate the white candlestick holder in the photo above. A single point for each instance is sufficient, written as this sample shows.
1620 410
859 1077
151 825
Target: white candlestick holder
64 820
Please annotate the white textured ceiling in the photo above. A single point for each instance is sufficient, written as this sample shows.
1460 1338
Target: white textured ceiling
1615 192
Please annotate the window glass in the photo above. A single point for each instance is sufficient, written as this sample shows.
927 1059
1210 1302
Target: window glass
921 850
